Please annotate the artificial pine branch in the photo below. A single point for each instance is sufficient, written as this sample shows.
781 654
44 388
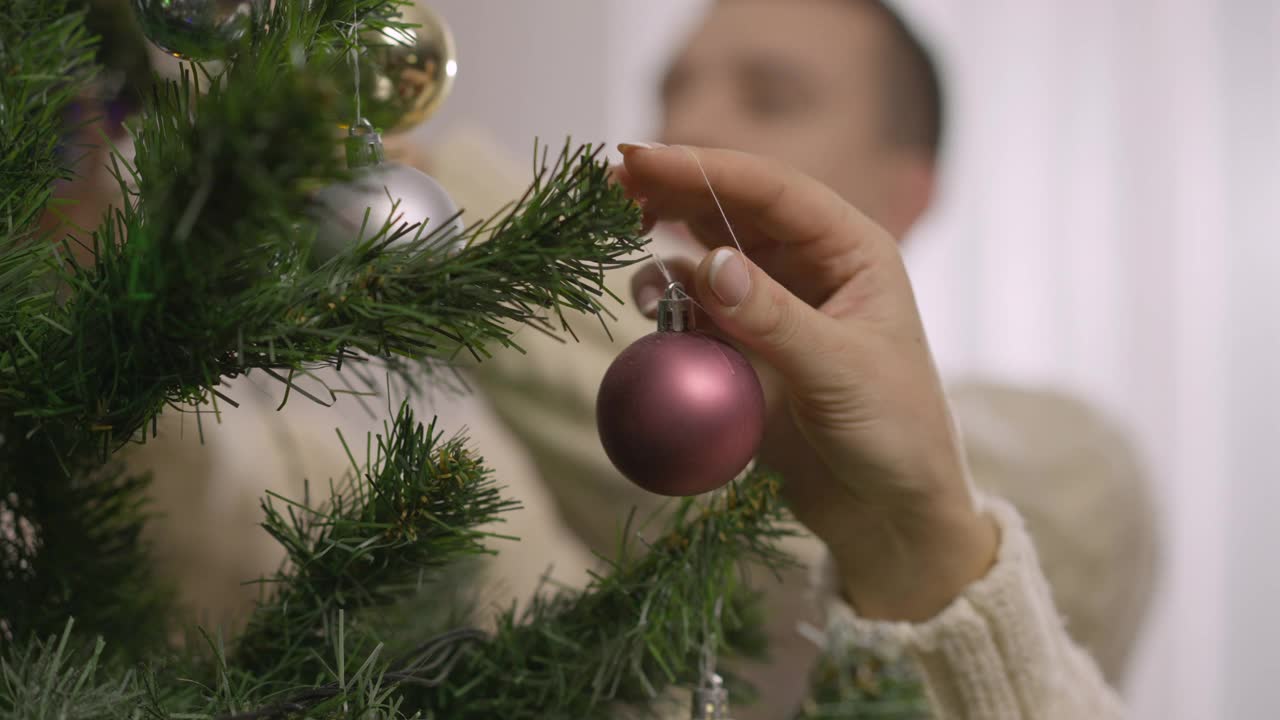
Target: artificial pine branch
205 273
84 560
68 546
413 509
629 635
633 632
46 59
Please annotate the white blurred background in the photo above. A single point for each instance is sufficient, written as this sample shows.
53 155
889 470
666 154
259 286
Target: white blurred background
1110 224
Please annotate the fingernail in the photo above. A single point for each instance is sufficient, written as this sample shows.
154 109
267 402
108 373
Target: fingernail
627 148
728 277
647 297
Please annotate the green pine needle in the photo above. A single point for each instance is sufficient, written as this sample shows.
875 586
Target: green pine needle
59 679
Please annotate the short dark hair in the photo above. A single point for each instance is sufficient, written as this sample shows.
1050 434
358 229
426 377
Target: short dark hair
914 104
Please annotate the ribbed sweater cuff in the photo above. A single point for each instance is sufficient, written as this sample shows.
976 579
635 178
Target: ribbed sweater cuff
997 651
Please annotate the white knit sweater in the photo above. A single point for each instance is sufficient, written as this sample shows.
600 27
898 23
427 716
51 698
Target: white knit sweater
999 651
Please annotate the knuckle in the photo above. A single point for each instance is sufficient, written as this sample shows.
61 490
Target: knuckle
773 192
779 325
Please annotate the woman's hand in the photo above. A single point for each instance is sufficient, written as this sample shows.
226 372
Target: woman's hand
859 427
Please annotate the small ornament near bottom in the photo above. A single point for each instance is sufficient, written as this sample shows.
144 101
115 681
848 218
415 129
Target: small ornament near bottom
711 700
680 412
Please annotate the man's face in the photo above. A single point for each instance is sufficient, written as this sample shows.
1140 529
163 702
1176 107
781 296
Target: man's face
797 80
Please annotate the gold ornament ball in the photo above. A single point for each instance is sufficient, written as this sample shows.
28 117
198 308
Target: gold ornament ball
196 29
405 73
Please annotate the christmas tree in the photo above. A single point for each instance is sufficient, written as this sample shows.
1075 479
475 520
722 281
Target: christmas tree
209 269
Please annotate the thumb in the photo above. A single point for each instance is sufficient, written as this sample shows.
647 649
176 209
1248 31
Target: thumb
756 311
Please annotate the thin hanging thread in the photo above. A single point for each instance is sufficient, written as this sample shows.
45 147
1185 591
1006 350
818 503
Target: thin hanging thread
662 267
708 664
728 225
666 273
354 55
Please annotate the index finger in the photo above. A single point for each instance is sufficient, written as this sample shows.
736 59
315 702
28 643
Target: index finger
780 201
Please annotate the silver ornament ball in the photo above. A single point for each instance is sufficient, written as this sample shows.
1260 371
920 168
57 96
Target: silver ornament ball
389 192
197 29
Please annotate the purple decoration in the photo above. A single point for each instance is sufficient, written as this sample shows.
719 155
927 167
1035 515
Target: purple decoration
680 413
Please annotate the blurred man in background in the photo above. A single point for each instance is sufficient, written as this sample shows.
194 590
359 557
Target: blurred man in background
846 92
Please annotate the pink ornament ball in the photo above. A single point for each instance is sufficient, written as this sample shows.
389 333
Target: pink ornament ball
680 413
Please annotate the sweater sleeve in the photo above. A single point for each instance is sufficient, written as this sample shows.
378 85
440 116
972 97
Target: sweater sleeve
999 651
